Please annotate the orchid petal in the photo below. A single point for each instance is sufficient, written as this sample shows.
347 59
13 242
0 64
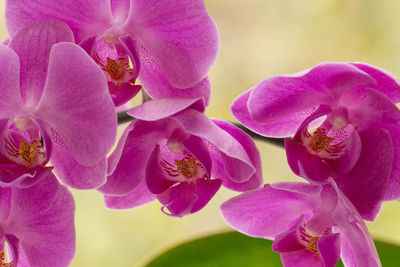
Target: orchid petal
156 84
33 45
10 96
182 37
83 17
138 197
127 163
41 215
283 97
366 184
386 83
279 208
248 144
236 161
329 248
157 109
76 103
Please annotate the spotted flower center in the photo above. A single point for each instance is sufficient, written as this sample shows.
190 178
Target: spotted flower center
28 152
186 167
312 244
116 69
320 141
23 144
3 262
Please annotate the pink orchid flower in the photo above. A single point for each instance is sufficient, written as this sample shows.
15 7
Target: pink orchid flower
54 107
37 223
172 151
168 45
311 225
357 135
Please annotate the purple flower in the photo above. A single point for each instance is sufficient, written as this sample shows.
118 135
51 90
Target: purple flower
38 224
168 45
312 225
54 107
172 151
357 137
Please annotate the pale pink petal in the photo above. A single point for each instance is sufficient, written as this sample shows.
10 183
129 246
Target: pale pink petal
85 18
10 96
181 36
33 44
76 103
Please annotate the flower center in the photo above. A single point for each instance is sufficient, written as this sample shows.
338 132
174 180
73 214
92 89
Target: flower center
320 141
3 262
312 244
116 69
22 143
28 152
186 167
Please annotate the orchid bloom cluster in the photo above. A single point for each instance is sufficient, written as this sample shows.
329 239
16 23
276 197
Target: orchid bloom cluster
72 64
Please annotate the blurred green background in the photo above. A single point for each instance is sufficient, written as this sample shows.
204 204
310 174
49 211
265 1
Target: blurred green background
259 38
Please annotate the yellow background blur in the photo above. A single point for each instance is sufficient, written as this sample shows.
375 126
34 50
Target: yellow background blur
259 38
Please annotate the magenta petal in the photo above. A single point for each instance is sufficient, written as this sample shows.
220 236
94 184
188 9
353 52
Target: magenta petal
71 172
329 249
33 45
281 128
179 199
10 96
284 97
123 93
182 37
205 190
305 164
198 148
236 161
248 144
138 197
278 210
366 184
186 198
76 103
301 258
358 248
130 45
127 163
386 83
120 10
289 240
42 217
156 178
84 17
156 84
162 108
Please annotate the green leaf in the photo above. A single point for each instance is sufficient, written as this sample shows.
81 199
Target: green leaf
237 250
